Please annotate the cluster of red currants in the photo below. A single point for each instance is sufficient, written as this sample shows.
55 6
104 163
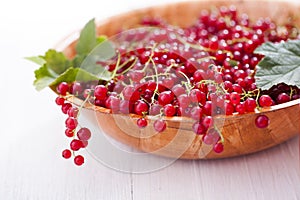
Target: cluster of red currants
80 139
200 71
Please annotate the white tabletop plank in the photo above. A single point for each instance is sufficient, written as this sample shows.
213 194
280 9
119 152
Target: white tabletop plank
272 174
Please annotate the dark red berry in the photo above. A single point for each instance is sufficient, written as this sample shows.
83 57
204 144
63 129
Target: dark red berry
100 92
282 98
199 128
218 147
196 113
59 101
84 143
265 101
160 125
207 121
73 112
69 132
62 88
240 108
141 108
169 110
211 137
235 98
262 121
250 105
76 89
66 107
165 97
142 122
75 145
183 100
66 154
71 123
84 134
79 160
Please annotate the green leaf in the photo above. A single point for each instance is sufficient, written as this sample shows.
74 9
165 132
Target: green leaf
280 64
56 68
56 61
36 59
101 39
87 40
102 52
43 78
74 74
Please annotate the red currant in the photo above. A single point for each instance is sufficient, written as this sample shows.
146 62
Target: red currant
169 110
159 125
262 121
84 134
265 101
62 88
218 147
66 153
79 160
71 123
75 145
100 92
59 101
142 122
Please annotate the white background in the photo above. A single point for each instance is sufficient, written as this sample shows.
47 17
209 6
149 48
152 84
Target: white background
32 138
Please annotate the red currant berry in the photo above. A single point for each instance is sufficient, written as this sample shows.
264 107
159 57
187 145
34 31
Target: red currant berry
196 113
165 97
71 123
69 132
160 125
207 108
66 107
178 90
218 147
169 110
75 145
84 134
250 105
211 137
240 108
183 100
199 128
229 108
235 98
62 88
141 122
84 143
76 89
73 112
59 101
66 154
141 108
198 75
265 101
79 160
282 98
207 121
262 121
130 94
197 96
155 109
100 92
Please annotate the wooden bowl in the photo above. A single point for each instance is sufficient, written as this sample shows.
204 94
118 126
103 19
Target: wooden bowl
178 140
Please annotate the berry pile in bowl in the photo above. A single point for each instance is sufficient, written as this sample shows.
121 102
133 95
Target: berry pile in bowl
191 80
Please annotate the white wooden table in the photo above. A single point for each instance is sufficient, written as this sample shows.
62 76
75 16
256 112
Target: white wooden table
32 137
